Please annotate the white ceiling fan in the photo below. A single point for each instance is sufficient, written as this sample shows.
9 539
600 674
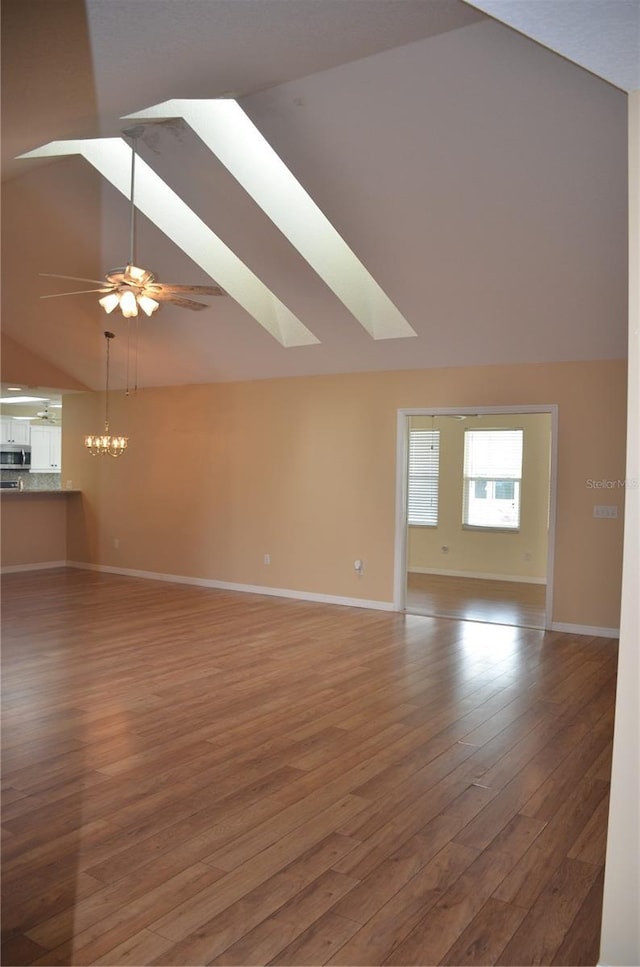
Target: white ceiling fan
45 416
130 287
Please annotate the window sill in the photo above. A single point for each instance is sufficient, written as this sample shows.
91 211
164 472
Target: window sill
493 529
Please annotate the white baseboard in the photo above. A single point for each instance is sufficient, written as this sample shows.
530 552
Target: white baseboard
232 586
42 566
590 630
516 578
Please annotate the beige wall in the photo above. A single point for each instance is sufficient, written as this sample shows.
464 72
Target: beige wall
520 554
21 365
303 469
34 529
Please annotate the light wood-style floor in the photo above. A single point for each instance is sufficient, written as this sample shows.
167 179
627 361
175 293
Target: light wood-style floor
200 777
476 599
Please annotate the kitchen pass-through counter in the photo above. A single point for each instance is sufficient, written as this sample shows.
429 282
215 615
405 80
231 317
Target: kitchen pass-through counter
34 527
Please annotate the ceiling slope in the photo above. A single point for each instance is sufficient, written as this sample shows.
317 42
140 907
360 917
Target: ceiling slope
603 36
478 177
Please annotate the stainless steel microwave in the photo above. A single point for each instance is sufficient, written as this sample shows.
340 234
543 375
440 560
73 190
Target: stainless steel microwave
14 457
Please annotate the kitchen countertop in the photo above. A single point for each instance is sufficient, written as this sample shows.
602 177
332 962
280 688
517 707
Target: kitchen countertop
14 492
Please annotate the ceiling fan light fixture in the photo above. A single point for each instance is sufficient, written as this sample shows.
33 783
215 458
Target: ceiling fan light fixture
147 304
125 286
135 275
109 302
128 304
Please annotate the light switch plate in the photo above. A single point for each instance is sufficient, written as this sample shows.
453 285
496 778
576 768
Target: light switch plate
605 510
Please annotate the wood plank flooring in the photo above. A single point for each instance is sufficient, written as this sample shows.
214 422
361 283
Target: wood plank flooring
476 599
194 776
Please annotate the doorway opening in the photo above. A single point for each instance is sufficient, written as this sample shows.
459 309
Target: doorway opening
475 521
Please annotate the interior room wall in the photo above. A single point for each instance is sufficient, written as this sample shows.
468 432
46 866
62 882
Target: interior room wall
33 531
21 365
40 237
521 554
303 470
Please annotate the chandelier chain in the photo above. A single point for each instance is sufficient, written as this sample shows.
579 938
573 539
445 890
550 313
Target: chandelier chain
108 337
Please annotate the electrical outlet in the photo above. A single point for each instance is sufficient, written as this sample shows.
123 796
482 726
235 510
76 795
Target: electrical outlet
116 542
358 566
266 559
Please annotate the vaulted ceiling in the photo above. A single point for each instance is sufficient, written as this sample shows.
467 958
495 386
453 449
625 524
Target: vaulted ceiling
478 178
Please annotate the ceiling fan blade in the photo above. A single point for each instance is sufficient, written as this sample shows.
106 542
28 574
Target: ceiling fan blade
182 303
72 278
56 295
196 289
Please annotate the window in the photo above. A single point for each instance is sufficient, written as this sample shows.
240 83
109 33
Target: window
492 477
424 468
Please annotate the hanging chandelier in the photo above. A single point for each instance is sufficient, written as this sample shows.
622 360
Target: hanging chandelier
103 444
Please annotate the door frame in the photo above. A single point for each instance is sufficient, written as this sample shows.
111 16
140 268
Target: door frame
402 470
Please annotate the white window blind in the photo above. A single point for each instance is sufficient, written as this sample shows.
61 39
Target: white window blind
492 478
424 469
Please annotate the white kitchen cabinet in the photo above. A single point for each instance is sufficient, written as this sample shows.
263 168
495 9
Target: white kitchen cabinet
46 449
14 431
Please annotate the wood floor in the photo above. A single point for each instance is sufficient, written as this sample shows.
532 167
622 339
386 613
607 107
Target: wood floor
477 599
200 777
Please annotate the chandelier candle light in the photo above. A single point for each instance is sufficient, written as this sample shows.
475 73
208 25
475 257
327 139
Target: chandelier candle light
104 444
